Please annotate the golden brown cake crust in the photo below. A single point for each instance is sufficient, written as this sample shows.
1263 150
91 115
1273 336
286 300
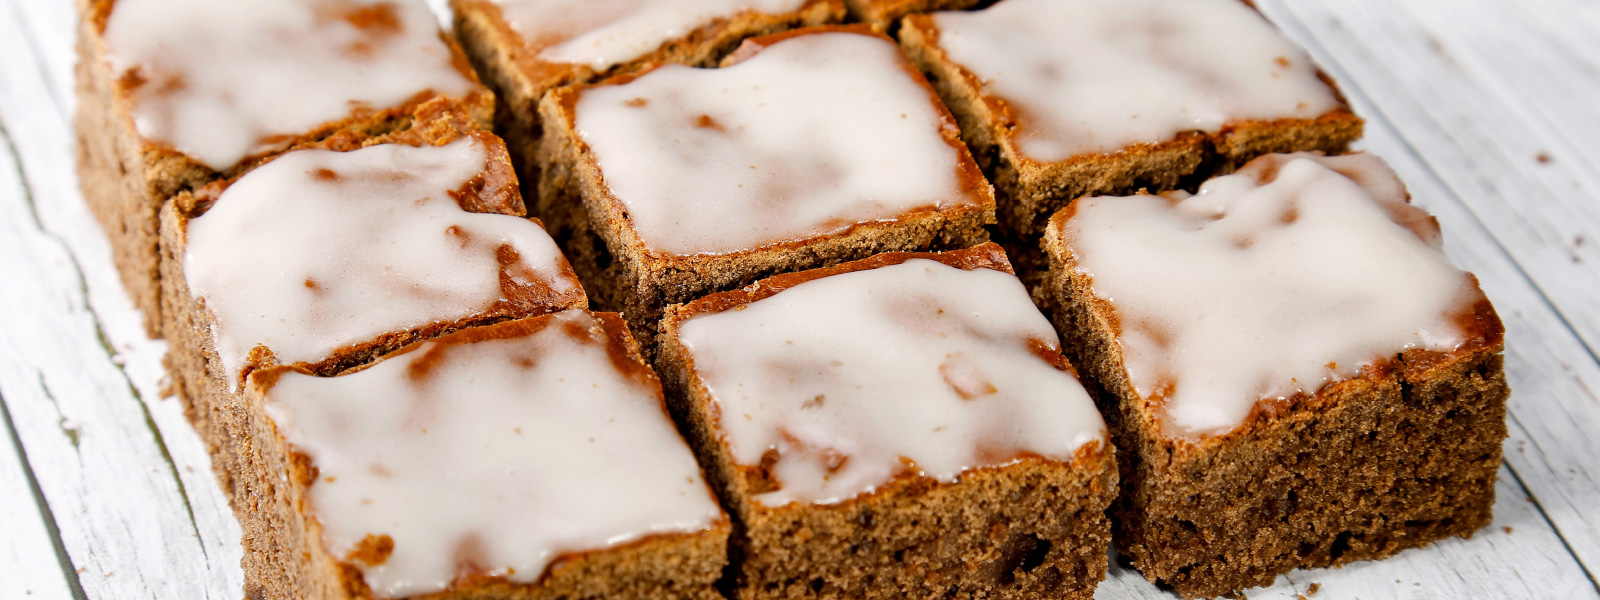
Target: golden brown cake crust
622 273
1030 190
1034 528
125 178
1399 457
520 78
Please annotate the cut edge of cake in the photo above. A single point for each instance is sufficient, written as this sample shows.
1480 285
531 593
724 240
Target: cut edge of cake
1185 499
285 557
1015 552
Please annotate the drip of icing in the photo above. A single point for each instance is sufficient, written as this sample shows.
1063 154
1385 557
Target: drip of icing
501 453
812 135
1292 273
1090 76
604 33
220 81
319 250
849 376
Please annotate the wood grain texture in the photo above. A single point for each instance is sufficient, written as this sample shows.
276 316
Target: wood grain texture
1463 96
1554 376
1472 120
29 565
127 479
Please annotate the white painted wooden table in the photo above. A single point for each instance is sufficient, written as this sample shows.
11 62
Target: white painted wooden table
1490 109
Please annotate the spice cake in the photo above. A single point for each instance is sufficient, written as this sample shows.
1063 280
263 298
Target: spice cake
525 48
173 94
1066 98
326 260
804 149
901 426
1294 373
531 458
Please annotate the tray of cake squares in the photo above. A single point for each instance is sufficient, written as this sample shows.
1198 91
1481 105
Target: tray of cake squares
783 298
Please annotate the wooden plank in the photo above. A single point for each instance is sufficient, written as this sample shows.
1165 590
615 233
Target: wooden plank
1554 408
50 28
29 565
128 480
1550 80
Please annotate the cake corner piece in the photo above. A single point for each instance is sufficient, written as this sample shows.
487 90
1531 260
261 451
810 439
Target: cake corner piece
383 506
1359 420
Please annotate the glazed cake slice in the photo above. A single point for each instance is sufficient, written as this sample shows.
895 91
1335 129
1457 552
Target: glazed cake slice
525 48
173 94
1295 374
898 427
325 260
1067 98
527 459
805 149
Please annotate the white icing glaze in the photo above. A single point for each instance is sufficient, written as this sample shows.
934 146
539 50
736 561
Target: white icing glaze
223 78
855 371
1270 282
1091 76
811 136
604 33
304 265
527 448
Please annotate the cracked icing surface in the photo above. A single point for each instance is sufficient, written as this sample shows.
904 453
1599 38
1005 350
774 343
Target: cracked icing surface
1294 272
220 81
492 451
842 383
319 250
1090 76
810 136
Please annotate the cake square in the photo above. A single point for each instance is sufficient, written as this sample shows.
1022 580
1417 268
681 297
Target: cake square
805 149
898 427
174 94
525 48
1067 98
1295 374
326 259
531 458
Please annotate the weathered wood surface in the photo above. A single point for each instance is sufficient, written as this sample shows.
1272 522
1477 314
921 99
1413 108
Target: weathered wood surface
1424 87
1487 109
127 480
